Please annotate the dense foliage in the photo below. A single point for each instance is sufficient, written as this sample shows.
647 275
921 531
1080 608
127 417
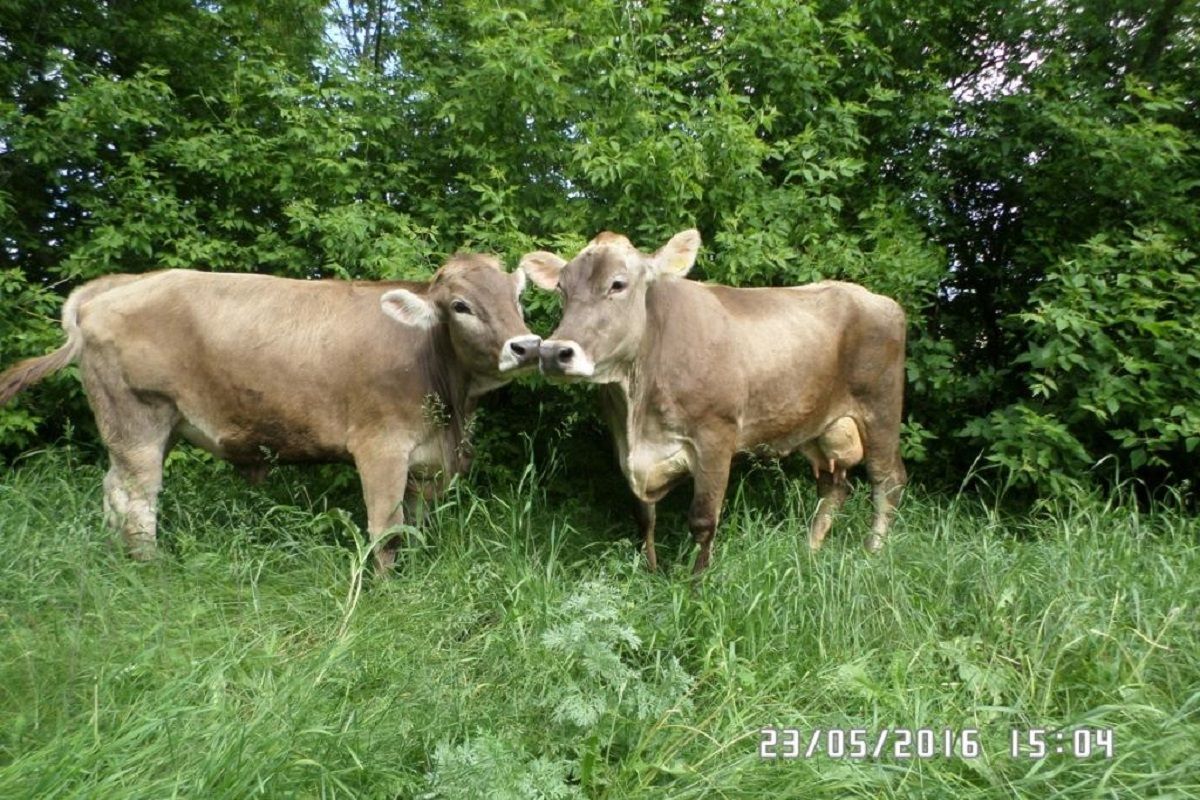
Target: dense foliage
1022 175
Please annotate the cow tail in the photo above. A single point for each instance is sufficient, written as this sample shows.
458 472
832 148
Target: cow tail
28 372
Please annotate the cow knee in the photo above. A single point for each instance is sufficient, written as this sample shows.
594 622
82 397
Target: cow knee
116 499
702 525
131 509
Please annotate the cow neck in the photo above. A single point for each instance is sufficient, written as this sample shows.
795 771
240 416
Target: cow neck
449 381
631 379
634 379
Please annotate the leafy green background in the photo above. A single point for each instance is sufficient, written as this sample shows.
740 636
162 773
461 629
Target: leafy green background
1022 176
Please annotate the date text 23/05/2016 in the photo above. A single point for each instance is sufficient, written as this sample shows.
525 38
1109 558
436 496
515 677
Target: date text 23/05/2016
905 743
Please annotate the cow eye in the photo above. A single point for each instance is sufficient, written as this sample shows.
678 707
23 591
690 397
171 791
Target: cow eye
460 307
618 285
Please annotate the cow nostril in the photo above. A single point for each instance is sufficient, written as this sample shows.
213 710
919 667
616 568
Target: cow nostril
565 354
517 348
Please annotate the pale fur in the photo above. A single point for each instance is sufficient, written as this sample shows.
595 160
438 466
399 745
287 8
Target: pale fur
260 370
696 372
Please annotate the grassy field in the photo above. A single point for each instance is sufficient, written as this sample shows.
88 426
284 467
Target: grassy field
522 651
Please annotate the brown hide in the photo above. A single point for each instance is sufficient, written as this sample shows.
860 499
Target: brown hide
258 370
694 373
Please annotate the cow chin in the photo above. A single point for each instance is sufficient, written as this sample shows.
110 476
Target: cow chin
565 377
508 370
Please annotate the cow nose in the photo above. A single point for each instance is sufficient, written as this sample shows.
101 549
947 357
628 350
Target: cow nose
563 357
525 348
519 351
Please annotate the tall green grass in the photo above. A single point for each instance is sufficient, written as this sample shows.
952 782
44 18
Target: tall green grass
523 651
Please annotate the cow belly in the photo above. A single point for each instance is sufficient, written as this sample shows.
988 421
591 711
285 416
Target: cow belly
781 435
201 437
263 442
653 468
780 446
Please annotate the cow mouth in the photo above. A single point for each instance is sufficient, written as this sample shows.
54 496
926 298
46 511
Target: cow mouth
519 354
562 358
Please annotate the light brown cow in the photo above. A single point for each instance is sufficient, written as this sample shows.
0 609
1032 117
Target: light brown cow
693 373
258 369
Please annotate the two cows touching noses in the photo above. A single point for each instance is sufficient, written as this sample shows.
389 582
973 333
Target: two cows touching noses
258 369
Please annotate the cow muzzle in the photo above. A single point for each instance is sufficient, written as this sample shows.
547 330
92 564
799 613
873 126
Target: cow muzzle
519 352
564 358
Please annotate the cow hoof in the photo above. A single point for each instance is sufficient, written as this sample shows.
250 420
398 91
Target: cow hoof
143 551
814 545
874 543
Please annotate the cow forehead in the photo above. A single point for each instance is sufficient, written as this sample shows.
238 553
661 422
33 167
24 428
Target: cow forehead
610 239
599 262
608 247
473 272
462 261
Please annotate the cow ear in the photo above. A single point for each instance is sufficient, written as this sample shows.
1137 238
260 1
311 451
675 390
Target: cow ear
408 308
677 256
544 268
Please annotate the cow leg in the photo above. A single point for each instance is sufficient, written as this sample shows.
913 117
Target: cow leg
881 439
886 471
711 477
419 499
137 435
646 515
833 489
253 474
131 489
384 477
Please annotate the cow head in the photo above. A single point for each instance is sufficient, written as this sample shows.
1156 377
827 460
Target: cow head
604 301
479 304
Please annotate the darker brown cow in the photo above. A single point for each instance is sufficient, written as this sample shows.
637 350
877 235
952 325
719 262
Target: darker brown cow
257 369
693 373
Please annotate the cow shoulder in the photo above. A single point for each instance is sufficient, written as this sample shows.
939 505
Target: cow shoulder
692 361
